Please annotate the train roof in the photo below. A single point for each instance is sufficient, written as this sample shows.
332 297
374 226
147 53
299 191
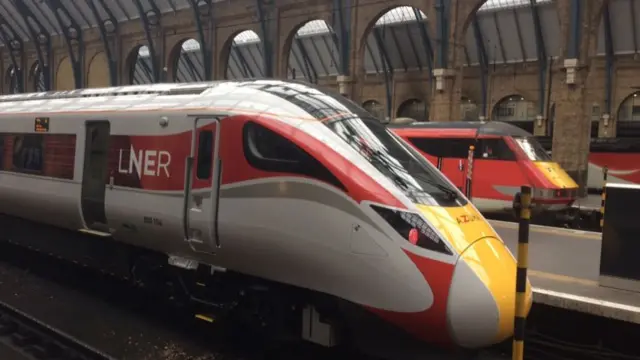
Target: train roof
278 97
481 127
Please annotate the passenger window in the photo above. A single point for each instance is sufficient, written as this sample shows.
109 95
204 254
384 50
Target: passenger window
268 151
28 155
205 155
494 149
444 147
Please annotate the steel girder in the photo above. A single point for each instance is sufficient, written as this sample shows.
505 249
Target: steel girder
542 56
426 40
203 14
573 50
609 58
12 41
72 33
41 39
387 69
151 22
442 32
269 29
109 30
342 10
484 62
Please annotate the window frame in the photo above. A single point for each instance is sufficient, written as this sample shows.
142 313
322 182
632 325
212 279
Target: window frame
308 165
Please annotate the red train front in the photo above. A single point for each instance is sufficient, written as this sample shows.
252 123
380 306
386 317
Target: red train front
505 158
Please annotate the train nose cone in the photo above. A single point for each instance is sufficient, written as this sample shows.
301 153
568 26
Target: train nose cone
482 297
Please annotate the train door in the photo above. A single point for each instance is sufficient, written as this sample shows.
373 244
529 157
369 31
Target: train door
455 163
202 186
94 177
495 169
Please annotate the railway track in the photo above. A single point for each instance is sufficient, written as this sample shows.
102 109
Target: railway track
36 340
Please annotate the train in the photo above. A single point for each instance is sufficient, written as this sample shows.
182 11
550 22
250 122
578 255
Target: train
268 182
504 158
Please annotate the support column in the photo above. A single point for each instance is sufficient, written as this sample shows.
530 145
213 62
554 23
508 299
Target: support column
445 102
572 127
345 85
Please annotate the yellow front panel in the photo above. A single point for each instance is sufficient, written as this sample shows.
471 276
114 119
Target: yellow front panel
489 258
494 265
461 225
556 175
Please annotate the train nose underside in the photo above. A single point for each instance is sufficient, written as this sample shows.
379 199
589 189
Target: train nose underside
481 304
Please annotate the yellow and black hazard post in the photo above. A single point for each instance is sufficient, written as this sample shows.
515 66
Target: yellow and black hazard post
469 176
605 172
522 203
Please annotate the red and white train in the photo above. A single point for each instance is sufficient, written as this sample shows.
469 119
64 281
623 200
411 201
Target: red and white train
265 179
505 157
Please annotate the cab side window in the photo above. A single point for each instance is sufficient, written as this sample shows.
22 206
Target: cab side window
457 148
493 149
266 150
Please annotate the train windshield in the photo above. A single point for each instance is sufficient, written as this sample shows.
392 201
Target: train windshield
532 148
393 158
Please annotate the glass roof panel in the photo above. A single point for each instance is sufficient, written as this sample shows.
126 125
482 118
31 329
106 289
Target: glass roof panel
399 15
314 27
506 4
246 37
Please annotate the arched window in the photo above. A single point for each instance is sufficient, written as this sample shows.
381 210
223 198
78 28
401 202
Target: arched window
375 108
415 109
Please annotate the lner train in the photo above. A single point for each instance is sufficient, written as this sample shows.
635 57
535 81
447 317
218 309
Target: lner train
271 180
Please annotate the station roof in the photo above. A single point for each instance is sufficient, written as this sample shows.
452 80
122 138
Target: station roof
503 32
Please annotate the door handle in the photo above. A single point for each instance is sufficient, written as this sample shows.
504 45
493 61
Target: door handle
460 166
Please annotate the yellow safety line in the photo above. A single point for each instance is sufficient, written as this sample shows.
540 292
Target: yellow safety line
204 317
588 235
562 278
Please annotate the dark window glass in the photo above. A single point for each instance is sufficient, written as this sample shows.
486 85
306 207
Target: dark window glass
205 154
444 148
493 149
1 152
267 150
403 222
28 153
532 148
397 161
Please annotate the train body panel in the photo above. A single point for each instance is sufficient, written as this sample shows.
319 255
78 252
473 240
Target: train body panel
256 177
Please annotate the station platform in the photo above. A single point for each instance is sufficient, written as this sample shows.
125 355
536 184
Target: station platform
590 202
564 267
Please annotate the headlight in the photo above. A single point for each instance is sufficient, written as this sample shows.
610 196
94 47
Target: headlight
412 227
